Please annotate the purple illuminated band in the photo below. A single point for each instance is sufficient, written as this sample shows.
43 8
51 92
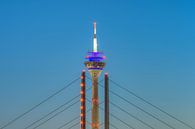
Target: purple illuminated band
95 56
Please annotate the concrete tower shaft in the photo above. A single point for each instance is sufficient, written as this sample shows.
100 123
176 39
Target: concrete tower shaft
95 73
95 99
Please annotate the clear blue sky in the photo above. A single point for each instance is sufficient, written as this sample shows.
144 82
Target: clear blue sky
150 49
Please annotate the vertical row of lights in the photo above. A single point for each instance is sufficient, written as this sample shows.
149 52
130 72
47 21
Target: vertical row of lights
83 100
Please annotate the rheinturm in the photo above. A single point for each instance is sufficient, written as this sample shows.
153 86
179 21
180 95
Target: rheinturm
95 66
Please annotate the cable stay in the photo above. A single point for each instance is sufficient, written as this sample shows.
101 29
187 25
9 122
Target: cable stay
149 103
141 109
58 113
136 118
59 107
125 123
114 126
37 105
62 126
68 122
74 125
134 105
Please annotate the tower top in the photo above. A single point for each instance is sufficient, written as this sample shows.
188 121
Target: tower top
95 49
95 55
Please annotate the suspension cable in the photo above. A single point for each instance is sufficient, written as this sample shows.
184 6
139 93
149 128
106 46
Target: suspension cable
37 105
51 112
131 115
149 103
56 114
141 109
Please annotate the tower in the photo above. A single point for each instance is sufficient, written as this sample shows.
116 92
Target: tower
95 66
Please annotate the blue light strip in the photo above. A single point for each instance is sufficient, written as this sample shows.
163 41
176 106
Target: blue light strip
95 56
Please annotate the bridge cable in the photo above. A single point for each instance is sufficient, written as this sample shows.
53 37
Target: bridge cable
141 109
37 105
75 118
154 106
56 114
62 126
54 110
131 115
115 116
68 122
74 125
134 105
119 119
114 126
59 107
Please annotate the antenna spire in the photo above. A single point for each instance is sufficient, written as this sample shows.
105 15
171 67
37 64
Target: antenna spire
94 38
